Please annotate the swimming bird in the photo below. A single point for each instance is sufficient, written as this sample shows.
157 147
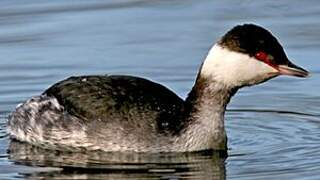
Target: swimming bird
127 113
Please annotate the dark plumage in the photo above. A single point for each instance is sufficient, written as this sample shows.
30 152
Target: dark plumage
251 39
120 98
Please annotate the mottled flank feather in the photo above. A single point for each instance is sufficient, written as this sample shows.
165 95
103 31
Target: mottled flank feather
43 121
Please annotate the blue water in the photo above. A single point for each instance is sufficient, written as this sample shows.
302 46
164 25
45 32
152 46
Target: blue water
273 128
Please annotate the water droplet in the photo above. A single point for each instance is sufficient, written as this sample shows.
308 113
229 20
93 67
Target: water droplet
84 80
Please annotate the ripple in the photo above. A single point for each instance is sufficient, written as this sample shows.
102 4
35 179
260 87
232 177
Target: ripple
273 111
46 8
271 143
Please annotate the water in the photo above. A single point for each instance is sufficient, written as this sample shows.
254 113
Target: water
273 129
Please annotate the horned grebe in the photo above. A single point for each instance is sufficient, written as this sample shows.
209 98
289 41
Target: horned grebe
126 113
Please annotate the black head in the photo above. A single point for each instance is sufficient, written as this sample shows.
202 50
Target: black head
258 42
251 39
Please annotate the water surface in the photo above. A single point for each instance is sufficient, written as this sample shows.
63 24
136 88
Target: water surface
273 128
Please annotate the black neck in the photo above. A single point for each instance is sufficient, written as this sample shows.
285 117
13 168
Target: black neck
209 94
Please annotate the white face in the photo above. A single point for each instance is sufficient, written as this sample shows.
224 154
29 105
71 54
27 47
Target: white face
234 68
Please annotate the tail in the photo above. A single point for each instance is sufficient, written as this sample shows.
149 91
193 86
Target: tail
28 122
42 121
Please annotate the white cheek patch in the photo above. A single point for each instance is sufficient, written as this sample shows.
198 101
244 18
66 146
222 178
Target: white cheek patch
234 68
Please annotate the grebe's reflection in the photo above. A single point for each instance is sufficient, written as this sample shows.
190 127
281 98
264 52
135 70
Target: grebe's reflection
103 165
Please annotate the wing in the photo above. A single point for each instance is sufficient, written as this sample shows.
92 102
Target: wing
127 100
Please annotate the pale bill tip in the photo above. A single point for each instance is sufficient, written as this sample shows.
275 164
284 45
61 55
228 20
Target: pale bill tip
293 71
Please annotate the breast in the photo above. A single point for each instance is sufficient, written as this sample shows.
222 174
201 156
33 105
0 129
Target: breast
124 101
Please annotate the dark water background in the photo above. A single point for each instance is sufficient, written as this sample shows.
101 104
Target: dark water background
273 129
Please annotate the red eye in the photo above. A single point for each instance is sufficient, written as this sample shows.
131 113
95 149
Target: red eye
266 58
262 56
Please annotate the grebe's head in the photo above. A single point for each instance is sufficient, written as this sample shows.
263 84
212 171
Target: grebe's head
247 55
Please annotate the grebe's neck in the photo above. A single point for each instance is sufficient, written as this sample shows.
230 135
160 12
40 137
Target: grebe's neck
204 114
212 90
206 104
207 101
208 95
